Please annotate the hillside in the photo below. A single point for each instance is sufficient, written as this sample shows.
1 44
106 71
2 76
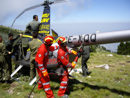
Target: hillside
5 30
112 82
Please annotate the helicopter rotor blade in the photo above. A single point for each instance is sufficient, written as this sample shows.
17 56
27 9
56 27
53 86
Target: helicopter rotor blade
35 6
32 7
59 1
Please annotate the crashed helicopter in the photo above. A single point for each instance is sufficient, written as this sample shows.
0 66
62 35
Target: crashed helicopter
86 39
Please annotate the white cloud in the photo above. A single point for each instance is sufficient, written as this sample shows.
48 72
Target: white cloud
61 9
68 7
15 6
11 8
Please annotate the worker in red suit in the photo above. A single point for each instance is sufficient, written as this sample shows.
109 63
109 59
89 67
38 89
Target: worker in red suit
41 60
63 60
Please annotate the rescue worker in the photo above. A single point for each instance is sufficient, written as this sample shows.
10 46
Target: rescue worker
10 51
63 60
33 26
41 60
85 57
2 59
33 45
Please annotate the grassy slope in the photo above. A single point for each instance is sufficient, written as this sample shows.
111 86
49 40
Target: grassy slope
112 83
5 30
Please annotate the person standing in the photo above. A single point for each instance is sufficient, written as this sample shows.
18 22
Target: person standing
3 63
85 58
63 60
33 26
33 45
10 51
41 60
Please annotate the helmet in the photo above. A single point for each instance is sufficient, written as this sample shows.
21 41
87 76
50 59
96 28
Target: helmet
62 40
48 40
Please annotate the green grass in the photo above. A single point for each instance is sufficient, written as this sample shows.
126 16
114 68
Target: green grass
112 83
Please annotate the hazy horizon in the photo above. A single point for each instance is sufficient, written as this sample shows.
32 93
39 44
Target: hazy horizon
69 29
72 17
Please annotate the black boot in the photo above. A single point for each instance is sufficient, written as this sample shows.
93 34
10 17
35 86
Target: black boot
89 72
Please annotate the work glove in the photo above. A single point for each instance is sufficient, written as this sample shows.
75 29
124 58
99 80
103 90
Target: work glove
73 64
45 73
74 52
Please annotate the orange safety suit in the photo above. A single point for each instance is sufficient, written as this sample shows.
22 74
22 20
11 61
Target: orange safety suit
63 60
42 59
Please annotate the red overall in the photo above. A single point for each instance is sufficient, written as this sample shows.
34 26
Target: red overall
63 60
42 58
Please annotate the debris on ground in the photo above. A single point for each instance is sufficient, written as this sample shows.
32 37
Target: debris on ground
79 70
105 66
12 87
89 76
110 55
128 55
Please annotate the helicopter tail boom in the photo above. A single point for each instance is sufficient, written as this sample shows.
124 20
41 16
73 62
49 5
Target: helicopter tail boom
99 38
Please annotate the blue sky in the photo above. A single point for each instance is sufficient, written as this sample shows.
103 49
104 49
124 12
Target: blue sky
72 11
72 17
99 11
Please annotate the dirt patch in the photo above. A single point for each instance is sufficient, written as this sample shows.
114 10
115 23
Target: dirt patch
118 79
112 65
127 61
12 87
121 63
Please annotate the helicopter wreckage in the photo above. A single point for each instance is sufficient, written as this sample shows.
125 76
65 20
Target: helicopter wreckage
72 41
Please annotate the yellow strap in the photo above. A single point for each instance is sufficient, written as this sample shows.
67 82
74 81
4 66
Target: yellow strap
28 49
27 36
31 37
